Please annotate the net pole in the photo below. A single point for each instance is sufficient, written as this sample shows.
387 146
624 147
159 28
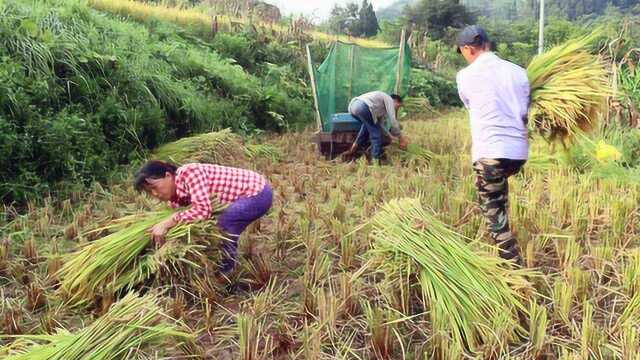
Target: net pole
313 89
351 60
399 66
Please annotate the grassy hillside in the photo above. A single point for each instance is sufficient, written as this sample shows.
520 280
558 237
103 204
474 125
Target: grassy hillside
85 91
195 18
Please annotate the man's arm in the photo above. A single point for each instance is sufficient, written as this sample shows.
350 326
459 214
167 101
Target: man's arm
460 86
525 96
391 113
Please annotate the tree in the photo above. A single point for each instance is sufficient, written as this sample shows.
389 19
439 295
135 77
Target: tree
437 16
354 20
368 21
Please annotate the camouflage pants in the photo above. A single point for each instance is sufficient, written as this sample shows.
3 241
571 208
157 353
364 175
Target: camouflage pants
493 192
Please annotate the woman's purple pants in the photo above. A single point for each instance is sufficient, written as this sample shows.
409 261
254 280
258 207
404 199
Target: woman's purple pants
236 217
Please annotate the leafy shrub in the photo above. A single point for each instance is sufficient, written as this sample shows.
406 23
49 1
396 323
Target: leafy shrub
440 92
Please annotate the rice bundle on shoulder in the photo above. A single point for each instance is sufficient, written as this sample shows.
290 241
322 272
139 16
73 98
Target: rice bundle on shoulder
569 89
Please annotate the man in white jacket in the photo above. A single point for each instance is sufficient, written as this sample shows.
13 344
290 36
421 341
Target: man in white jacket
496 93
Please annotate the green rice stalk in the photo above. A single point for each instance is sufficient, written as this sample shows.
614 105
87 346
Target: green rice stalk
131 325
120 261
416 154
569 88
471 296
631 313
268 151
219 147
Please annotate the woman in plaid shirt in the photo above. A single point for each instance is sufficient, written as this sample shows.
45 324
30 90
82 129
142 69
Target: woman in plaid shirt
248 194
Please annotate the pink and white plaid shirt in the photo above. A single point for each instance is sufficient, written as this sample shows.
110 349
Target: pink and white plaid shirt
196 183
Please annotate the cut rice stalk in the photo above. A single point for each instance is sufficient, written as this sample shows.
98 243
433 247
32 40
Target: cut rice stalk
118 261
131 325
471 296
268 151
569 88
417 154
219 147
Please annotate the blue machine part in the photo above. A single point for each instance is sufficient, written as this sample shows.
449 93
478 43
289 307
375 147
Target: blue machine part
344 122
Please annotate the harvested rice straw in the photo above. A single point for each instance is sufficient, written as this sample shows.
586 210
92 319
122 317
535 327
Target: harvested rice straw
471 296
131 325
569 88
219 147
118 260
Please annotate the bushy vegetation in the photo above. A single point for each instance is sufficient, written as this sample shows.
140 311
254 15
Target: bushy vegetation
438 90
353 19
83 92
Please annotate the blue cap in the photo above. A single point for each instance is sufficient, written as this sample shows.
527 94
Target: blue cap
471 35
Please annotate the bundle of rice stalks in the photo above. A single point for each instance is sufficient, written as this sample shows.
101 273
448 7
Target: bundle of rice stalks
219 147
121 260
415 154
569 88
472 297
131 325
268 151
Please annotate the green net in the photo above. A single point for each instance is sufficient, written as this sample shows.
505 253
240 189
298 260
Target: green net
351 70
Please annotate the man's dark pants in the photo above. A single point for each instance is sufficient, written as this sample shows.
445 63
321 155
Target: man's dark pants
370 131
493 192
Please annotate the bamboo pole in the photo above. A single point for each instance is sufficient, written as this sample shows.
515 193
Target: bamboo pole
541 29
400 64
313 89
351 59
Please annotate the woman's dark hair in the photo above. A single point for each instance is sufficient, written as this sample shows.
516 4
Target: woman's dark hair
153 169
396 97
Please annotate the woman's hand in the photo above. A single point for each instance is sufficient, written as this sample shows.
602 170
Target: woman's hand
159 231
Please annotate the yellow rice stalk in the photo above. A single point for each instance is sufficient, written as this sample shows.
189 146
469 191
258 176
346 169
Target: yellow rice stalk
472 297
121 260
569 88
131 325
219 147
